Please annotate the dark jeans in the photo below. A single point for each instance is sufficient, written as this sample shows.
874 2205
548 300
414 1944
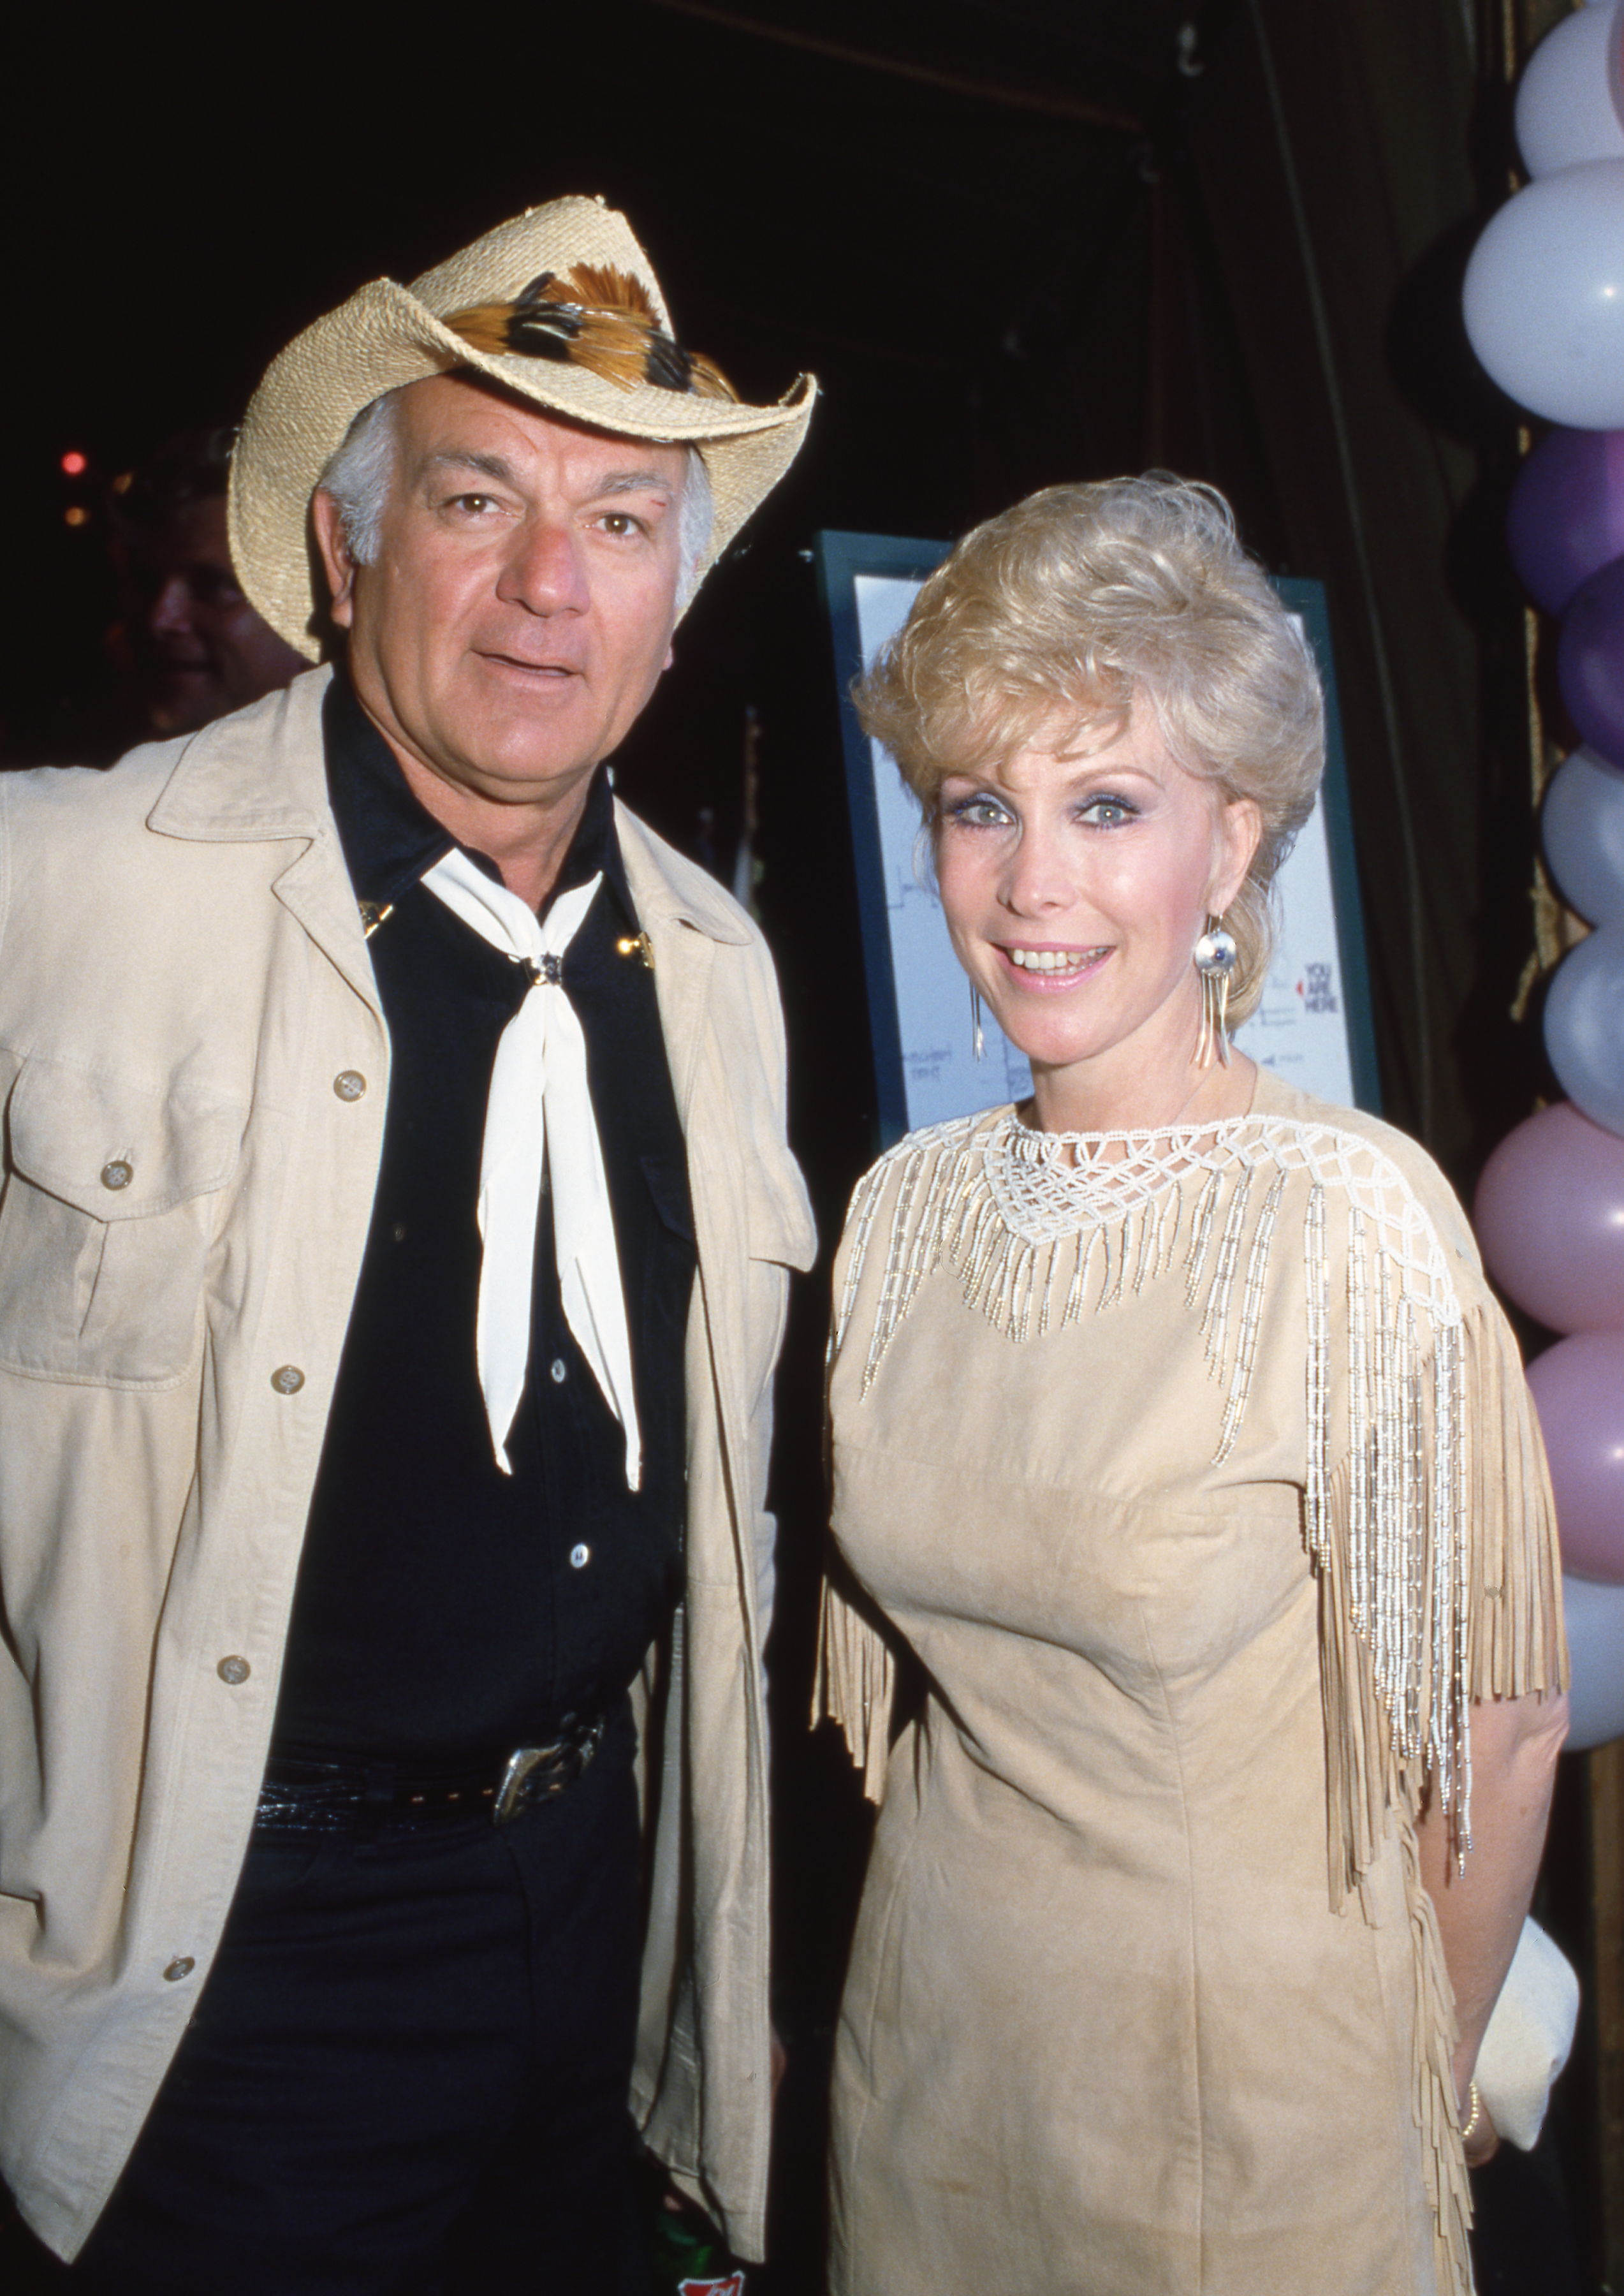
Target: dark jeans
407 2074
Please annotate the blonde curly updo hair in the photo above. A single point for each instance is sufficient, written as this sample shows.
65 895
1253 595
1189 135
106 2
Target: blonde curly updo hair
1052 623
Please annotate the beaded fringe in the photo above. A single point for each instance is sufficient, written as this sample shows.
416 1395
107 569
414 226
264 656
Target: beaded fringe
1366 1785
1424 1604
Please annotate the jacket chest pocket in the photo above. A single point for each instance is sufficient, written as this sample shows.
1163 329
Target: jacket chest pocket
111 1192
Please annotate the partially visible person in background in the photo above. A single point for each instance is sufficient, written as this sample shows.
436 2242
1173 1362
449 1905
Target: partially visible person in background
194 647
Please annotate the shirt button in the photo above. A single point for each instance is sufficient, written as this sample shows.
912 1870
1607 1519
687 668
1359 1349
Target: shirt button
579 1557
233 1670
118 1174
181 1966
561 1371
350 1084
288 1378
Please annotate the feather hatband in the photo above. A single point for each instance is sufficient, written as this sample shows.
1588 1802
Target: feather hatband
594 317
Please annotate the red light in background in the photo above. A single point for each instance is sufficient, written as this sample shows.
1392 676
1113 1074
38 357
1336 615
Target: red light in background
75 465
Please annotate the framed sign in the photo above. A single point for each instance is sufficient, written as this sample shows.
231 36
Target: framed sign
1313 1024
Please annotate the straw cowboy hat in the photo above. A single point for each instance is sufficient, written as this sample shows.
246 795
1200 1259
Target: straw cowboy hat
559 305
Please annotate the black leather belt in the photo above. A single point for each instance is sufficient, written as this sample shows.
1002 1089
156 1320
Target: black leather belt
315 1797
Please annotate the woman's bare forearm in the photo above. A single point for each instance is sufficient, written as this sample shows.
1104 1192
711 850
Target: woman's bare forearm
1514 1745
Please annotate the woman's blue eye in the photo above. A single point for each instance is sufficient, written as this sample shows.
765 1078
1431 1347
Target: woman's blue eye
977 812
1108 812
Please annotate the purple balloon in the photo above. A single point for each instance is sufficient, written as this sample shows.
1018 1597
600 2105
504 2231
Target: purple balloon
1590 662
1549 1215
1578 1387
1566 518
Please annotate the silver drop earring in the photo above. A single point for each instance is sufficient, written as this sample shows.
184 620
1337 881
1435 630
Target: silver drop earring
978 1040
1216 956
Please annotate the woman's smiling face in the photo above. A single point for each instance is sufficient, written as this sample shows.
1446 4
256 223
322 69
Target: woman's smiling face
1076 886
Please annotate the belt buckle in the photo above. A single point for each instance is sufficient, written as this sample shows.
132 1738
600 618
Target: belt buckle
521 1780
522 1767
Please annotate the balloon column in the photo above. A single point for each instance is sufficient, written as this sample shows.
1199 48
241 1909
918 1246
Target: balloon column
1545 310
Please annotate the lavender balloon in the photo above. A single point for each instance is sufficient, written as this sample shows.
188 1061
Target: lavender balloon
1578 1387
1590 662
1584 1026
1582 826
1543 297
1566 516
1564 105
1549 1215
1593 1615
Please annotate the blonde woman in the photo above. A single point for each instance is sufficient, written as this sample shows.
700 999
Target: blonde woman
1176 1435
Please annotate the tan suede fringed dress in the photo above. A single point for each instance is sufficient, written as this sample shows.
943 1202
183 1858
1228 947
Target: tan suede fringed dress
1204 1481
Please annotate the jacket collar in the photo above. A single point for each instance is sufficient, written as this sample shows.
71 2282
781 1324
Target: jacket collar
261 774
258 773
667 889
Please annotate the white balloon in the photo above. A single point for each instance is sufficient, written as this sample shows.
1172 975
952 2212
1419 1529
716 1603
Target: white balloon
1595 1617
1543 297
1582 825
1615 54
1565 111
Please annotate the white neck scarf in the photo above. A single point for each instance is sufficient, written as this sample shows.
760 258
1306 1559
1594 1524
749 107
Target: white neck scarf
541 1106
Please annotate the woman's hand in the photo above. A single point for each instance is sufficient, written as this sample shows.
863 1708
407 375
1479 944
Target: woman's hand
1481 2139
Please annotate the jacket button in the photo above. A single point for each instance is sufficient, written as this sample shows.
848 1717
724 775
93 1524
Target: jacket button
560 1370
181 1966
579 1557
233 1670
288 1378
350 1084
118 1174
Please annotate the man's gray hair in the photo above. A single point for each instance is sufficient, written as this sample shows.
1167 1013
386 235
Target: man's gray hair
359 473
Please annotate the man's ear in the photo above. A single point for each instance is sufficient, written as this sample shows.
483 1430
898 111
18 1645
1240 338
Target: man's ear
333 544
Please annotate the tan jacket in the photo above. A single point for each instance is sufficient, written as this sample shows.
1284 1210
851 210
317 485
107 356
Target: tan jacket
186 1196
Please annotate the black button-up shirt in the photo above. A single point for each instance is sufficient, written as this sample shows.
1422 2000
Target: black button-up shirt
445 1611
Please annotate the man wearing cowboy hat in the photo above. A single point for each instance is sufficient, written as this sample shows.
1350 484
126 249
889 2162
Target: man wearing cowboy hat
392 1265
